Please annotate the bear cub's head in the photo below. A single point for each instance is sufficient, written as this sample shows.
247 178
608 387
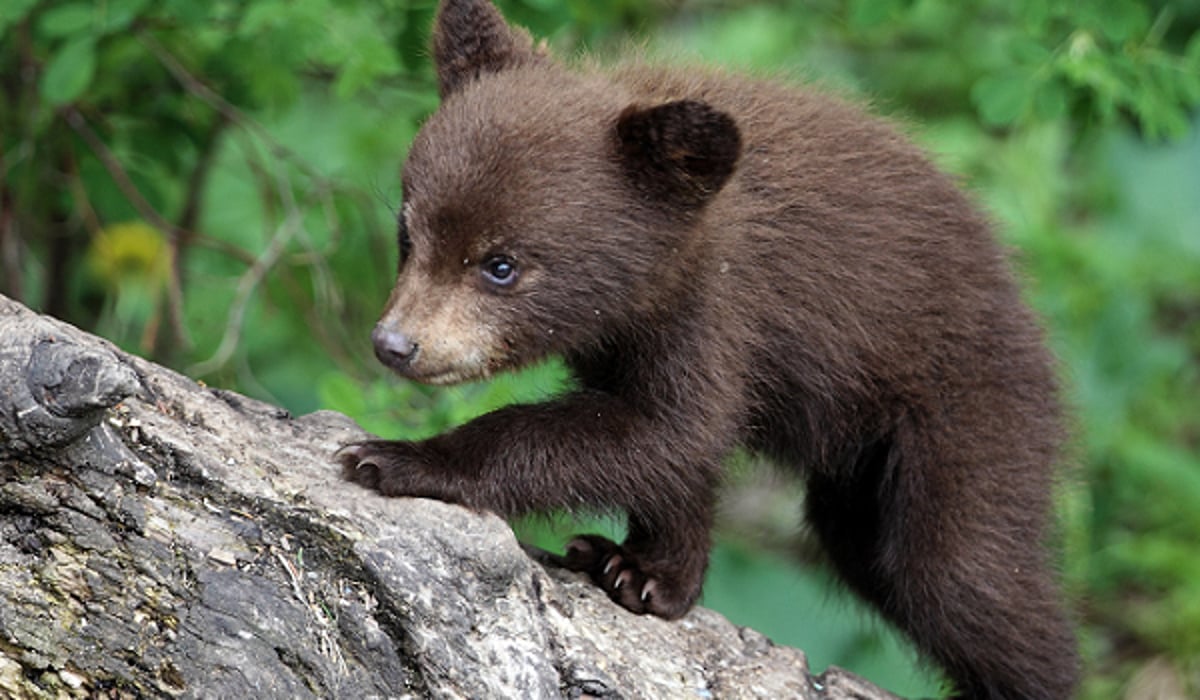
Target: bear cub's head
544 209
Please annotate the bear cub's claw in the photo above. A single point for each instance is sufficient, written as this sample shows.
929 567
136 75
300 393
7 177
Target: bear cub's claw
357 465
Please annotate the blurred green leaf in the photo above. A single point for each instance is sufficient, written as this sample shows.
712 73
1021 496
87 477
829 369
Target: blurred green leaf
118 15
1050 101
340 393
865 14
71 19
189 12
1121 20
70 71
13 11
1002 98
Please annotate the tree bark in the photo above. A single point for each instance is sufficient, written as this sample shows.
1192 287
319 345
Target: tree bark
159 538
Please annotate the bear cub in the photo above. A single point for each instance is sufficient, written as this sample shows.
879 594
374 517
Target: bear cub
724 262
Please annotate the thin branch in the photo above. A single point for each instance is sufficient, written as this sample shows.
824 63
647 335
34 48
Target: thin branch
115 170
79 194
225 248
188 223
10 251
251 279
19 94
146 210
226 109
10 159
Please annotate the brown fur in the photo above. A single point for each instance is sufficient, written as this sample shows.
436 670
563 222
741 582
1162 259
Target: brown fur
723 261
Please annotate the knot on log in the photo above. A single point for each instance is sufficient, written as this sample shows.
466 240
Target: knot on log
74 382
56 391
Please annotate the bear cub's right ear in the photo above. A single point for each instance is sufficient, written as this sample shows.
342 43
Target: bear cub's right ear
680 152
471 39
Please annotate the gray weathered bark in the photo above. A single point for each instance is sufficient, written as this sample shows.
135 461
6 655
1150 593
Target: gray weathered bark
161 538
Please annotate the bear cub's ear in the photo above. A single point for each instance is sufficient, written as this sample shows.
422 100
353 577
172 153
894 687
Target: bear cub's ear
471 39
679 152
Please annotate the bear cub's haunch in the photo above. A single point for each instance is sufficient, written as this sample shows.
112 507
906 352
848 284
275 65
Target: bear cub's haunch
722 261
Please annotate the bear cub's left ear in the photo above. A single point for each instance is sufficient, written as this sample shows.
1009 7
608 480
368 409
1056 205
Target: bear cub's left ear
682 152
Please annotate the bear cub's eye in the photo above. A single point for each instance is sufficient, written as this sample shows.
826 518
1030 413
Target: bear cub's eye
500 270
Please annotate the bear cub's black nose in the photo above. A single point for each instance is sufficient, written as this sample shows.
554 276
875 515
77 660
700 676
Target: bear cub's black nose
392 347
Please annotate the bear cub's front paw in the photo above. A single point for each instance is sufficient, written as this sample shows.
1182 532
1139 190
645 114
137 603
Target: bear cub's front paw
628 580
393 468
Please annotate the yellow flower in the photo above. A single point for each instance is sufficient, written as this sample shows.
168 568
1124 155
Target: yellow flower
130 252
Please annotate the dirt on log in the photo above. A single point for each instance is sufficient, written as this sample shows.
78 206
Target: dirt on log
160 538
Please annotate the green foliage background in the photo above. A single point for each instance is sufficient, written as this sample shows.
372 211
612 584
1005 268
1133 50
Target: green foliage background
213 184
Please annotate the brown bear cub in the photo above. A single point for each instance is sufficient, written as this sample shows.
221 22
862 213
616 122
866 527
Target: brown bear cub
720 262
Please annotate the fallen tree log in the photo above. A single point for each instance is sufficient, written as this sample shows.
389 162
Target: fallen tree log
159 538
